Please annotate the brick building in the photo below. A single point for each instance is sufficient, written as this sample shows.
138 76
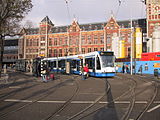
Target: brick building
153 25
52 41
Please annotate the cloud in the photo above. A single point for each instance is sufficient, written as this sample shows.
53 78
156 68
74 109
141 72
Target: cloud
84 10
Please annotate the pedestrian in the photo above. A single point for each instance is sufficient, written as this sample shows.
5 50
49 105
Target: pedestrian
82 73
45 73
127 69
86 71
140 70
116 68
123 68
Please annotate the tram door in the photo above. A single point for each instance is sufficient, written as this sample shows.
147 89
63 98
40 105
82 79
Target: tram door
68 68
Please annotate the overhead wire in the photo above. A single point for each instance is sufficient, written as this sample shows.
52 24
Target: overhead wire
119 4
68 10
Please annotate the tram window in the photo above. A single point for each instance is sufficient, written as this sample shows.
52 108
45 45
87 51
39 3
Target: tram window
52 64
98 63
89 62
61 63
73 64
78 65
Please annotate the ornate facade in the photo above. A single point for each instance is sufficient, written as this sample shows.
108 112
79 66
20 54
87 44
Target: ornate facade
55 41
153 25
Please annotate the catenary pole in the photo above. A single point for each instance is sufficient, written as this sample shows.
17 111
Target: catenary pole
131 61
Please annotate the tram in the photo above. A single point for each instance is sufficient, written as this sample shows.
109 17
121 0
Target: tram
100 63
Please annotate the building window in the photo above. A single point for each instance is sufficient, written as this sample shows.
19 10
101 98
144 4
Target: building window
55 41
83 50
60 52
76 50
95 41
71 40
27 42
108 38
77 40
89 49
55 53
42 38
101 39
89 39
60 40
65 52
83 40
65 40
42 44
50 52
50 41
101 49
71 50
95 49
108 47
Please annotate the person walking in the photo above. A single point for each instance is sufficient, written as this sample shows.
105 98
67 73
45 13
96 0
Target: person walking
140 70
86 71
123 68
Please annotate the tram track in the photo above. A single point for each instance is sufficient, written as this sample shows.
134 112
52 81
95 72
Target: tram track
15 85
130 109
46 93
131 90
125 117
148 104
52 115
132 101
86 111
79 115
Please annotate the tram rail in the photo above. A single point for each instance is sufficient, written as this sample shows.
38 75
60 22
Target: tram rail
46 93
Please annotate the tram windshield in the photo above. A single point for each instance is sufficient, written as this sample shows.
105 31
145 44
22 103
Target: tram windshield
107 61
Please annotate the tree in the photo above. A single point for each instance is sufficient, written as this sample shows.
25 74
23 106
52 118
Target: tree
11 13
28 24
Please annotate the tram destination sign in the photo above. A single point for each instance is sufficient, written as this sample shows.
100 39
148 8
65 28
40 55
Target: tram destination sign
106 53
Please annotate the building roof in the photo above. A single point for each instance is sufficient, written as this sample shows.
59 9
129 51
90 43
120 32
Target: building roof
46 19
92 26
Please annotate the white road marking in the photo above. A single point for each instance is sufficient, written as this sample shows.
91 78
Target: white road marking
118 77
76 102
16 100
154 108
82 102
15 87
156 102
51 101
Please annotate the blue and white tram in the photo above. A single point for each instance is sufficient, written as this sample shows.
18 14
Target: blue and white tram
100 63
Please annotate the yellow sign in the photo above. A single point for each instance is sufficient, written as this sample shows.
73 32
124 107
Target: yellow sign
157 65
42 55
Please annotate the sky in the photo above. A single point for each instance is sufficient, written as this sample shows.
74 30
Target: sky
62 13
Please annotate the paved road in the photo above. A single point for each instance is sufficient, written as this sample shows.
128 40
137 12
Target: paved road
123 97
